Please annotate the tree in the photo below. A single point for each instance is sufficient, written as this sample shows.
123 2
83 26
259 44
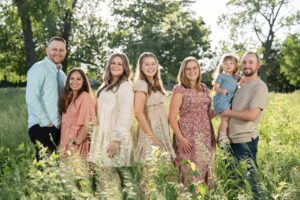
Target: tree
12 53
47 16
23 7
67 28
90 40
161 27
264 18
289 59
26 26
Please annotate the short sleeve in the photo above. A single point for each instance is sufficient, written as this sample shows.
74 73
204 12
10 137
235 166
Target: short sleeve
205 89
260 97
87 112
219 79
140 86
178 89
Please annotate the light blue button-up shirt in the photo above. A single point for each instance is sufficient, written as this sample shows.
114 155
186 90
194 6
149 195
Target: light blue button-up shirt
42 93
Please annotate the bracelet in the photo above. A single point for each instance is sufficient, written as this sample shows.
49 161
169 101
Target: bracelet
74 143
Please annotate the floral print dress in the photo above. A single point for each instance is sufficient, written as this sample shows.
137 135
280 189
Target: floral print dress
196 127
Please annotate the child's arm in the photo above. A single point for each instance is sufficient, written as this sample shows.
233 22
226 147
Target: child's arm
218 89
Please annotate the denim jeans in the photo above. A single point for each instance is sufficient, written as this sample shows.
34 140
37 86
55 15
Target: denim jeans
247 152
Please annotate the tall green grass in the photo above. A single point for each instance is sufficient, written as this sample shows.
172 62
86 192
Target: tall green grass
13 118
23 178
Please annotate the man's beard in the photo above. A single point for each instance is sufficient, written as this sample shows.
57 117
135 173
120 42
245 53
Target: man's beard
248 73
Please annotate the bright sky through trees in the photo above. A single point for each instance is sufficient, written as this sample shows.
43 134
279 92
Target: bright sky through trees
212 9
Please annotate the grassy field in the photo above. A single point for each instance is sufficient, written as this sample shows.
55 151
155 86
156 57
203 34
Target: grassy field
21 177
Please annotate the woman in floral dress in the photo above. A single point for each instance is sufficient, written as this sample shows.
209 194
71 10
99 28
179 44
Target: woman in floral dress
194 138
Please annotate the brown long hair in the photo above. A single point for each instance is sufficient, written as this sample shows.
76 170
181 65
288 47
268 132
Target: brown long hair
157 85
67 94
183 80
107 77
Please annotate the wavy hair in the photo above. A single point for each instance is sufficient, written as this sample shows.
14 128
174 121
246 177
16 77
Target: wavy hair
224 58
182 78
67 94
107 76
140 75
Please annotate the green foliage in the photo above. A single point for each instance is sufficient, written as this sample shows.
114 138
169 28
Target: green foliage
250 15
277 81
254 24
14 167
87 43
13 118
55 178
161 27
71 178
290 58
12 56
89 40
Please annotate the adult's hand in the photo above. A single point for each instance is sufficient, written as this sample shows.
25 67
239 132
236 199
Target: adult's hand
155 141
49 125
184 144
225 113
113 149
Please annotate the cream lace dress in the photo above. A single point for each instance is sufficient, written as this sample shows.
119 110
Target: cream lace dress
114 116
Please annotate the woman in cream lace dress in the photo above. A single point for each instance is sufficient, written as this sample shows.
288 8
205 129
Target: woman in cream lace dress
111 143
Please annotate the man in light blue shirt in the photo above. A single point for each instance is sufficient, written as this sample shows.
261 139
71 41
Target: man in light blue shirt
45 81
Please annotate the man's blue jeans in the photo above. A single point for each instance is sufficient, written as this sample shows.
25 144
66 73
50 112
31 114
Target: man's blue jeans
247 151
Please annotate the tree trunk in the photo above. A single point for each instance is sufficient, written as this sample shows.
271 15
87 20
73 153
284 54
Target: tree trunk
23 11
68 17
267 57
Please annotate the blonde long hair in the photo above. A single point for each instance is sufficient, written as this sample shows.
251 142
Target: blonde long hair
182 78
219 69
157 85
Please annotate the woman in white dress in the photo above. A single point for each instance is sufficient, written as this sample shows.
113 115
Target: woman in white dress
111 144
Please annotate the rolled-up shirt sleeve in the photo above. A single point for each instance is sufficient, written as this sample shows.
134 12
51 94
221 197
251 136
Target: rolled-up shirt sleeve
35 79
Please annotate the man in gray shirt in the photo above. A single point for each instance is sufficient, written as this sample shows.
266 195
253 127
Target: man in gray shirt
247 108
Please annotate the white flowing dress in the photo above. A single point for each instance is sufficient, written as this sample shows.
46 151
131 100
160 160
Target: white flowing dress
114 116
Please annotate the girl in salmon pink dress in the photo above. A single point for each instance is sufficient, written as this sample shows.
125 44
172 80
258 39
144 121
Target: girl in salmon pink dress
78 114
